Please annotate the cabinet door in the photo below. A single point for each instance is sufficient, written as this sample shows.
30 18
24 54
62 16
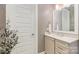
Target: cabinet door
49 45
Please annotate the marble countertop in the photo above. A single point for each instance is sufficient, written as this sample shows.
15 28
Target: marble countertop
62 38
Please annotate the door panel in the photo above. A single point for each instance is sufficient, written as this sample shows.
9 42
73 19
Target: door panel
22 18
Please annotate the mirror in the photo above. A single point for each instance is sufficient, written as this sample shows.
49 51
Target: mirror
63 19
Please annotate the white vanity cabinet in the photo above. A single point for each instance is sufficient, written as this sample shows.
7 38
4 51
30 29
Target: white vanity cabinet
49 45
61 45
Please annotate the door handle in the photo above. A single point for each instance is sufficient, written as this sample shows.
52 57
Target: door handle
33 34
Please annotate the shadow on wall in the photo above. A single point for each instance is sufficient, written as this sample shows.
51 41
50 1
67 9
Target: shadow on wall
44 18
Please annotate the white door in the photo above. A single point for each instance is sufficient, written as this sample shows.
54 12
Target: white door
23 18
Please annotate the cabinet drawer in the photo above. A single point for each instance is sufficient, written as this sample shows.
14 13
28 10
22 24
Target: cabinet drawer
62 44
60 51
62 47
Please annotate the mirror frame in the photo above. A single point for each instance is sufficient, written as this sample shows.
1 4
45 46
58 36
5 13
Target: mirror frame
75 22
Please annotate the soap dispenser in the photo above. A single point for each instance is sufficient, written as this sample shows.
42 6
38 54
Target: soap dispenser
50 28
57 27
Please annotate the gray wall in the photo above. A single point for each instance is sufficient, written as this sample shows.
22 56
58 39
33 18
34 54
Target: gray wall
2 17
44 18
